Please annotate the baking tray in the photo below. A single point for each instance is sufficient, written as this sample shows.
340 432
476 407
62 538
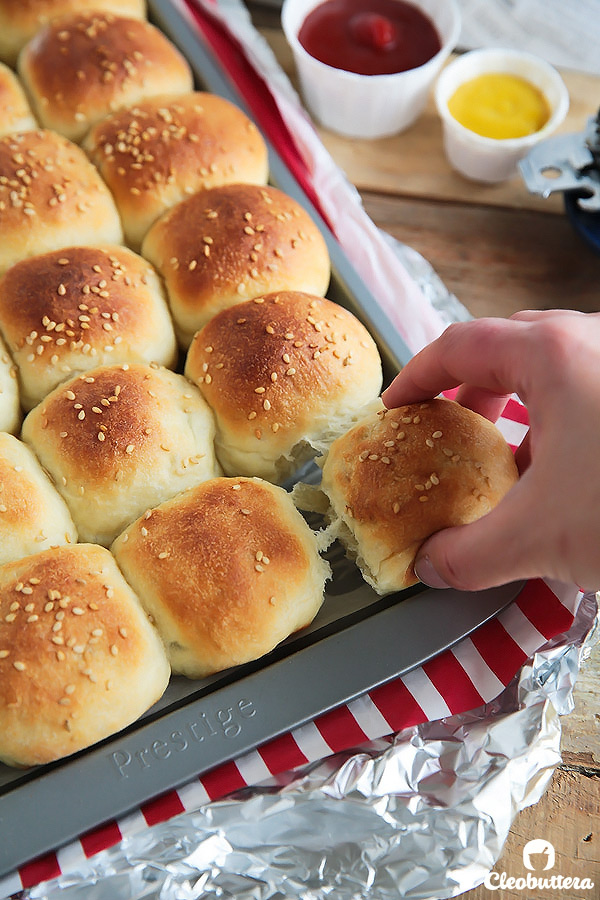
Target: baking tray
357 642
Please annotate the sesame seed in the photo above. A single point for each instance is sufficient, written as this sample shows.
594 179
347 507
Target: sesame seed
436 434
19 666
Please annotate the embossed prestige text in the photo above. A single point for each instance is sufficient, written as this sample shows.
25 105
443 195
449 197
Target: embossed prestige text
226 722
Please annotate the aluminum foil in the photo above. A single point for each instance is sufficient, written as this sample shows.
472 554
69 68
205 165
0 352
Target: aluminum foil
422 816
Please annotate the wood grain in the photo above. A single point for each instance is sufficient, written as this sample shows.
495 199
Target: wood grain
496 261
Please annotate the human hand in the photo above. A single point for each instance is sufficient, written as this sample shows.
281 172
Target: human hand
548 524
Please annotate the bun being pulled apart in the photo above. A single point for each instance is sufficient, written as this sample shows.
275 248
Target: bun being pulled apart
400 475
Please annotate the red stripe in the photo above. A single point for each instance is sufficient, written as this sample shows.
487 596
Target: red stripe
516 412
502 654
40 869
340 729
453 683
397 705
100 838
162 808
281 754
222 780
543 609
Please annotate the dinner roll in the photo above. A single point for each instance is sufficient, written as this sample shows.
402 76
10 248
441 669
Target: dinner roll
79 659
33 515
84 65
158 152
20 19
284 375
226 570
400 475
10 406
15 114
120 439
71 310
232 243
51 196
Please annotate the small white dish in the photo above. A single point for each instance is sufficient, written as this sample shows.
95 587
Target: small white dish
368 106
491 159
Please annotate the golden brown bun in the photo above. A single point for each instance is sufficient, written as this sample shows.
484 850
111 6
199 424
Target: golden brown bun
82 66
284 375
227 570
10 406
51 196
230 244
79 659
71 310
121 439
401 475
158 152
15 114
33 515
20 19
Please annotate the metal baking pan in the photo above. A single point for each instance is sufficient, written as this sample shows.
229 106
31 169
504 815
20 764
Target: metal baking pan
357 642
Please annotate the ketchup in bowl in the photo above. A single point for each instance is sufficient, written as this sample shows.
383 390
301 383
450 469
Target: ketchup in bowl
369 37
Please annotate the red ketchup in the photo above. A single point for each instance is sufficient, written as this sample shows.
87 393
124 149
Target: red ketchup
370 37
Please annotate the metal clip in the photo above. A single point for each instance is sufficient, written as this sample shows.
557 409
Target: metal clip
569 162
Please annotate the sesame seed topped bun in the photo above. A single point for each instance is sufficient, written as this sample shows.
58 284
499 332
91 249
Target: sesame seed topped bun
15 113
20 19
71 310
230 244
227 570
121 439
79 659
80 67
51 196
33 515
400 475
156 153
284 374
10 406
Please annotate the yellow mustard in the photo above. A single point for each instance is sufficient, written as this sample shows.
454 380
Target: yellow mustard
499 105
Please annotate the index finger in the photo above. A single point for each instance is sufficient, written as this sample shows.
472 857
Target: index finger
485 355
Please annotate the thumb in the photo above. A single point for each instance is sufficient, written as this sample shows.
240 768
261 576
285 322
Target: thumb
504 545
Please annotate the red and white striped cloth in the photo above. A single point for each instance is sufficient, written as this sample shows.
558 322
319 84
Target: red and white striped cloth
474 672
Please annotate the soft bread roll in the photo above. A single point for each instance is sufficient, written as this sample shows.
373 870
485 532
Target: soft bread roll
51 196
230 244
121 439
15 114
284 375
401 475
158 152
79 659
83 66
33 515
10 406
227 570
71 310
20 19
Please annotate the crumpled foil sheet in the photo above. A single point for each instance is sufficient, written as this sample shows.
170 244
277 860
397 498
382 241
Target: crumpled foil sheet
422 816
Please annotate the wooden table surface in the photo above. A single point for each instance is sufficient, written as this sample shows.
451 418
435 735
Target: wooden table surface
498 249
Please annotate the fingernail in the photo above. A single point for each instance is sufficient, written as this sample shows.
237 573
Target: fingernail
425 572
